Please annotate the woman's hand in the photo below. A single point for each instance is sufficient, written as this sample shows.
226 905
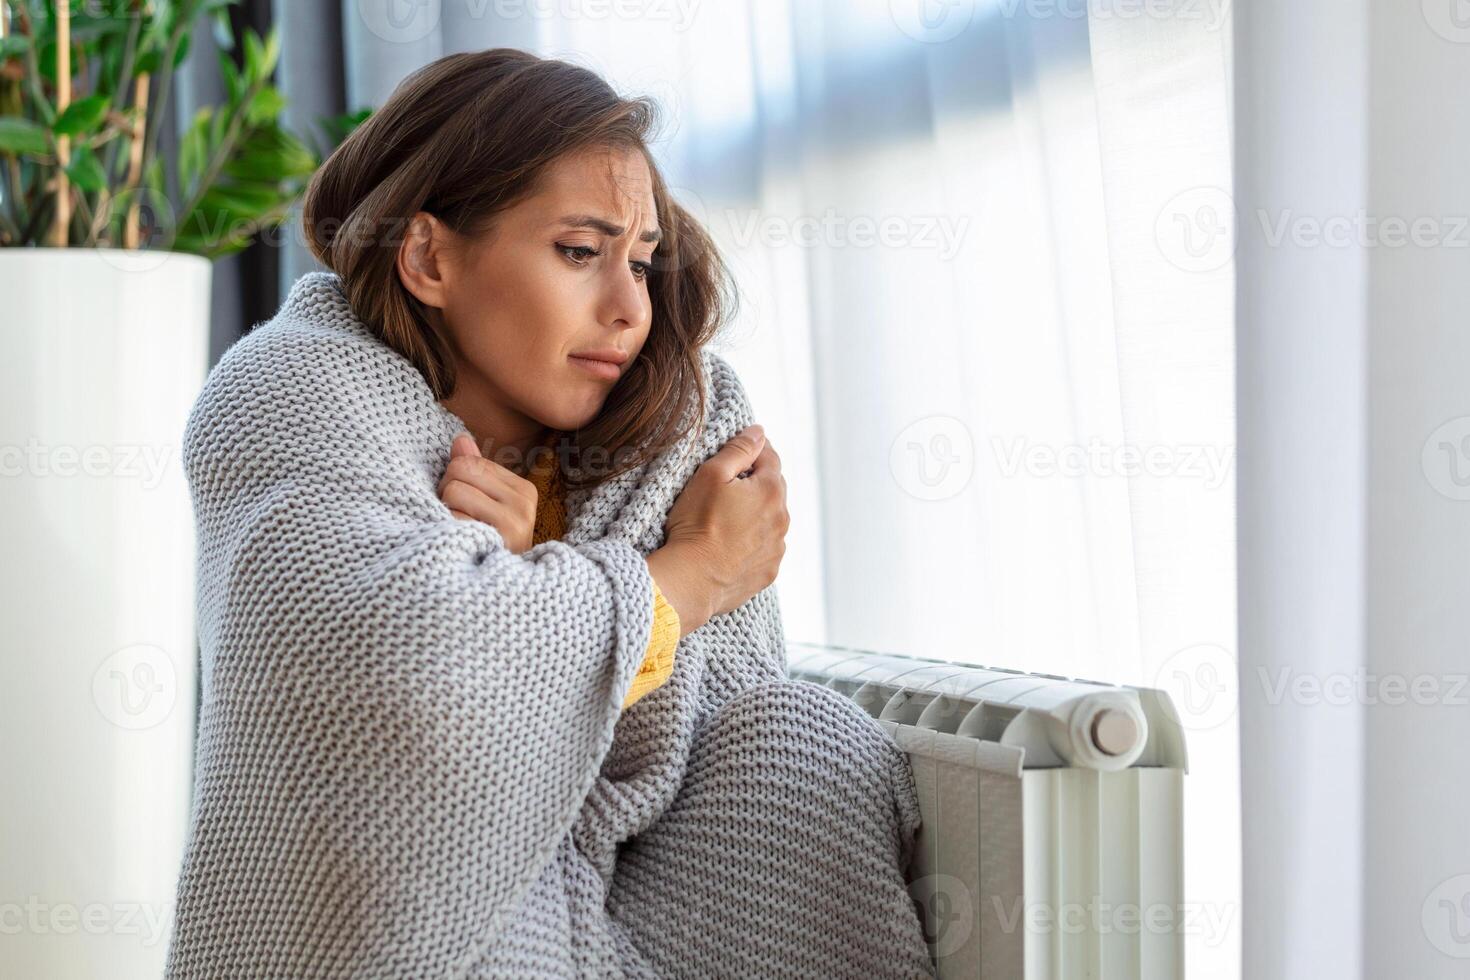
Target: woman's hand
726 533
480 489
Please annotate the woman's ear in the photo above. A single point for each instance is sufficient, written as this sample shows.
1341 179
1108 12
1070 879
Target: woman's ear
422 259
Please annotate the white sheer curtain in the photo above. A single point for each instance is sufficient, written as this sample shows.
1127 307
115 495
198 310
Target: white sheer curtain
989 330
987 321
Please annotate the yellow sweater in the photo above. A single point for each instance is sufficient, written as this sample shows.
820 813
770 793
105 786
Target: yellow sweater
551 522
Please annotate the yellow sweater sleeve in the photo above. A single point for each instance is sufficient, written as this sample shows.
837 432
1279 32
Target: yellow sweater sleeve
658 661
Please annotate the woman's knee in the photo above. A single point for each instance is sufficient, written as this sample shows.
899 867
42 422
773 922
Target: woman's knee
786 704
800 723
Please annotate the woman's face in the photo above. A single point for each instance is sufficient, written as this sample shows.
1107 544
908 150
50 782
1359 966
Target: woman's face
561 274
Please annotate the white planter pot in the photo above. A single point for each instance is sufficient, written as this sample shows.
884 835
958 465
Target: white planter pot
102 353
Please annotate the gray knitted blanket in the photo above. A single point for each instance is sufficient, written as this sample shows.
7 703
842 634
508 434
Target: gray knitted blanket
412 759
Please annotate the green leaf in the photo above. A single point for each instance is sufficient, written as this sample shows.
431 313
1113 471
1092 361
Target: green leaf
14 45
194 149
221 29
272 50
253 165
183 49
266 106
296 159
245 202
338 128
46 57
222 224
217 132
155 29
112 54
254 58
42 111
234 86
268 153
86 29
165 17
154 39
153 178
19 135
82 115
85 170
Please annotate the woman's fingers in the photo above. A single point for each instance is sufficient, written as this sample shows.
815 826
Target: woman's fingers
491 478
464 445
474 503
767 460
477 489
735 457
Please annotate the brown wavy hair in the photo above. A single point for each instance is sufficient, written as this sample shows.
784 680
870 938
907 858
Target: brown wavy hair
468 136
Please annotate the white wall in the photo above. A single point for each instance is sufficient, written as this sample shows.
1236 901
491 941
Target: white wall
1354 546
1417 885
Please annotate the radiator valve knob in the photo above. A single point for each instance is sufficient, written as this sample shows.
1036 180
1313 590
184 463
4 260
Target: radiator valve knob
1114 732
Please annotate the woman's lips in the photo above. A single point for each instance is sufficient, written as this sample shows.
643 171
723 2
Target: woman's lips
606 370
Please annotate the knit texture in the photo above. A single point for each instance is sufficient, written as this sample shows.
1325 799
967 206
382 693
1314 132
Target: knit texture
412 760
544 474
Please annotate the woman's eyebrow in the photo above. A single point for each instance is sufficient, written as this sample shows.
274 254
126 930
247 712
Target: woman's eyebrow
606 227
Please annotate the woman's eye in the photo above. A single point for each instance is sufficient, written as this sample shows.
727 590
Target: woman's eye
578 253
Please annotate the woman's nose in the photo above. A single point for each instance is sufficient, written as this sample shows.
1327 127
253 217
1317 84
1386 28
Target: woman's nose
625 299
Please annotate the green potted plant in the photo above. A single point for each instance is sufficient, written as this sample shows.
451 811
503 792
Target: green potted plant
105 288
82 163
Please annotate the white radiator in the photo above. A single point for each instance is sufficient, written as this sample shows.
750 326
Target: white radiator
1052 844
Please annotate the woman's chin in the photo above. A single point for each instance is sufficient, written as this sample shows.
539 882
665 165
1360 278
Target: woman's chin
575 416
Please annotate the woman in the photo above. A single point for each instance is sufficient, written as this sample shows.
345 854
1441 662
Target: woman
494 676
